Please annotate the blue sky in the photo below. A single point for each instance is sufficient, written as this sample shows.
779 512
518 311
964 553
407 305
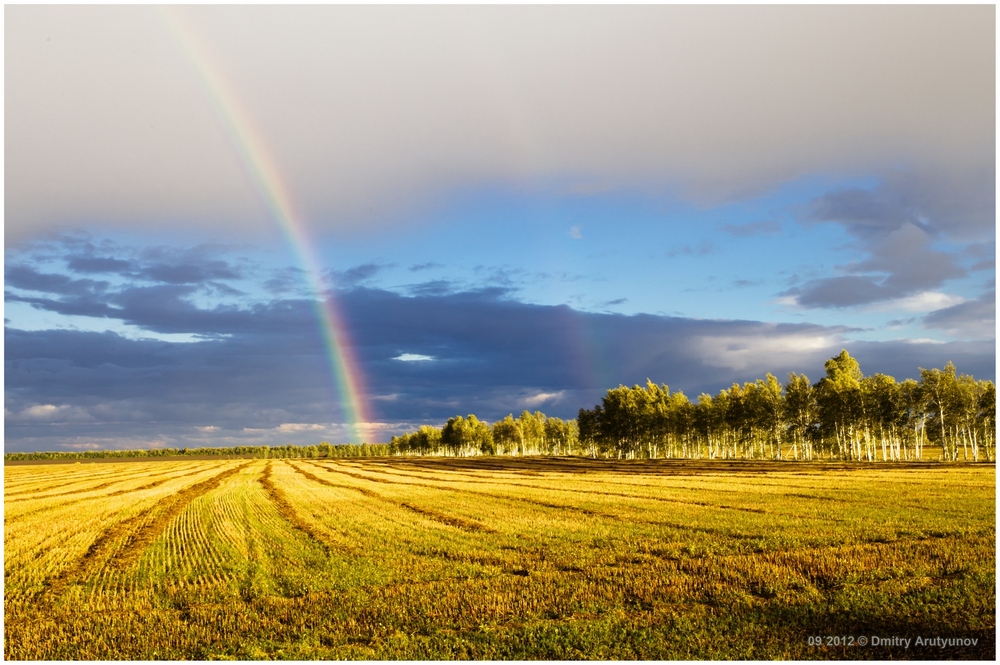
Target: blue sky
497 235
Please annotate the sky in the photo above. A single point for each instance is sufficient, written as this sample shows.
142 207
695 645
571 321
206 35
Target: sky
249 225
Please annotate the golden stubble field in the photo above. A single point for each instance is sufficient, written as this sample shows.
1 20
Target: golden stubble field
499 558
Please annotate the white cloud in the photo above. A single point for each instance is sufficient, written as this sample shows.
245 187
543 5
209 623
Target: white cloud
413 357
927 301
52 412
542 398
285 428
575 233
759 352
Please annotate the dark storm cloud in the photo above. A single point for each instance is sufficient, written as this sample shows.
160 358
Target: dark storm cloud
264 366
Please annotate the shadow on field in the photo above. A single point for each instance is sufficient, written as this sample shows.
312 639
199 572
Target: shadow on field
667 467
881 636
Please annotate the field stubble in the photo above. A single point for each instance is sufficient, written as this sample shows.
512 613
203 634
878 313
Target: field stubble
495 558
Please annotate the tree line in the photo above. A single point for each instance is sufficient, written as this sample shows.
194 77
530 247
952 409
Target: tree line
844 416
320 451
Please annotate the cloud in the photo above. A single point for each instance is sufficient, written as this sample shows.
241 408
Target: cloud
974 319
575 233
99 264
743 352
535 401
356 275
752 229
701 249
901 263
959 204
257 372
188 273
436 287
51 412
29 279
413 357
368 111
921 302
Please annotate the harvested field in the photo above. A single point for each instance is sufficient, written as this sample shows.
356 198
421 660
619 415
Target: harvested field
498 558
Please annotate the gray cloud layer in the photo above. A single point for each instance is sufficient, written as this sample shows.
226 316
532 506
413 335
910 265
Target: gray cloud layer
370 110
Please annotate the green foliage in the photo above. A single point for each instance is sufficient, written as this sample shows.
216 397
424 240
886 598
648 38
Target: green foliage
845 416
246 452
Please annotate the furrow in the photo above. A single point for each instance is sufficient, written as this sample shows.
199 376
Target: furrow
137 531
451 520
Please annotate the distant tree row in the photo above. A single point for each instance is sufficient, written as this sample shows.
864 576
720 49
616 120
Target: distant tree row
845 416
323 450
529 434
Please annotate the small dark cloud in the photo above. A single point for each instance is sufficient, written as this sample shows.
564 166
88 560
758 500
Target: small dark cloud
29 279
502 276
223 289
701 249
985 264
845 291
67 306
99 264
616 301
437 287
752 229
866 212
285 281
356 275
188 273
425 266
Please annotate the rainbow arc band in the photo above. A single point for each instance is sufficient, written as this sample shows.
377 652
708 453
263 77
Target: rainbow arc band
266 178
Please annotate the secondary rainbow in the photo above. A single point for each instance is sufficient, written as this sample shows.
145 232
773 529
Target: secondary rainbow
266 178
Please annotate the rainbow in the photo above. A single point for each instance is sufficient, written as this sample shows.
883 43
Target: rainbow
266 178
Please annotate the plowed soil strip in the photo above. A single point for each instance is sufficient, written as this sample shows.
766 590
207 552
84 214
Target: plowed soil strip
138 534
451 520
